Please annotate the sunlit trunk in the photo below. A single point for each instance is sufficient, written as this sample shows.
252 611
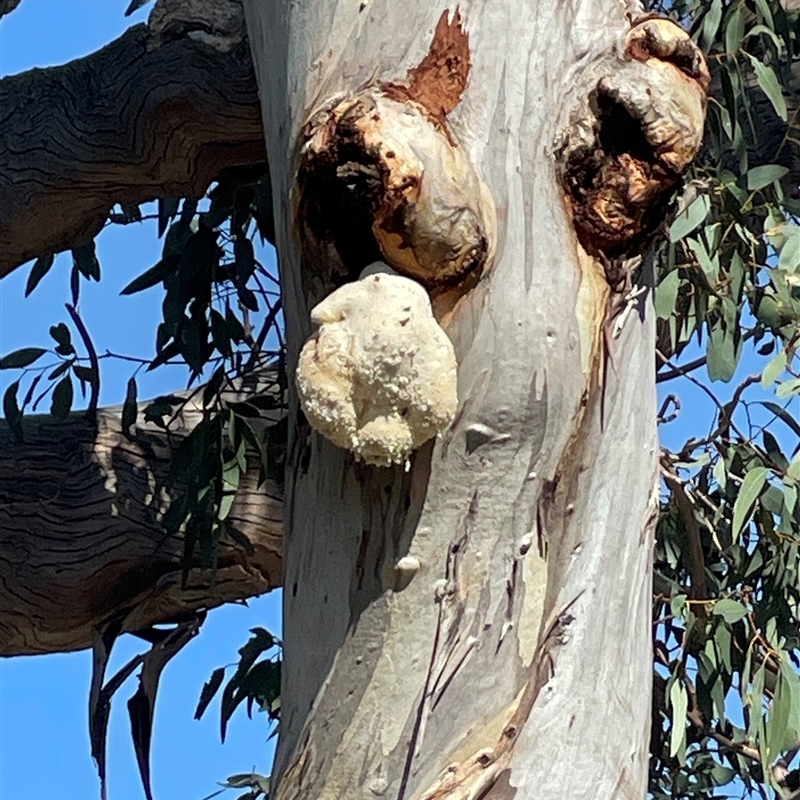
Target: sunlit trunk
479 623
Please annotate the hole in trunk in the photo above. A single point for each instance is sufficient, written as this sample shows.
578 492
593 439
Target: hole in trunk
620 132
340 189
618 188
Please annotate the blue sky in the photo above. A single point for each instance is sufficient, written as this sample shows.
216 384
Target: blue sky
44 742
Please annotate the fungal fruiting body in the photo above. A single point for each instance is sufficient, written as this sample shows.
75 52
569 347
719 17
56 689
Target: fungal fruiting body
379 376
382 178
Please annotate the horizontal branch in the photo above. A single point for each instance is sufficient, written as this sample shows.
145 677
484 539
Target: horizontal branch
81 541
145 117
7 6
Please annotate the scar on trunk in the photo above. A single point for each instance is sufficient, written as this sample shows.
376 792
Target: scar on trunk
393 216
441 77
627 147
381 177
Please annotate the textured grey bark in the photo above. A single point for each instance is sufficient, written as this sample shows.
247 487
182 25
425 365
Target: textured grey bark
80 539
516 660
142 118
7 6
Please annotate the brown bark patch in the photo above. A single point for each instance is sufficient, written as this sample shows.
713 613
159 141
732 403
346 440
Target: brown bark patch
439 80
639 130
380 180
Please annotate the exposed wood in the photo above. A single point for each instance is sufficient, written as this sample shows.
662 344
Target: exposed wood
80 539
145 117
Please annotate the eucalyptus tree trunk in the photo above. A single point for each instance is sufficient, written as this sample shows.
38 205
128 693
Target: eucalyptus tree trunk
478 624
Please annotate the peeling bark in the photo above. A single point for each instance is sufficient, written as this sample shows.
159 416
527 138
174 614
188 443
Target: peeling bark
150 115
478 626
80 539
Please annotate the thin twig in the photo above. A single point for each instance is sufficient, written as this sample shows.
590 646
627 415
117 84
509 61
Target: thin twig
678 372
696 718
697 571
91 411
134 359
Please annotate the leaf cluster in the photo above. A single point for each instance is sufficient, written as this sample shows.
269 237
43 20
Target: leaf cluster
726 619
255 681
220 306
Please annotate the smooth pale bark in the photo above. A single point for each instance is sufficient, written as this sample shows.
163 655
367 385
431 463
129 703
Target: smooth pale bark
140 119
531 518
80 539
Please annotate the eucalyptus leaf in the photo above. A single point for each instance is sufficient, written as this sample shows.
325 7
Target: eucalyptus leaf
734 30
788 388
751 487
22 358
690 218
723 352
793 470
730 610
774 369
84 259
679 700
156 274
61 402
167 209
11 410
666 294
210 688
129 407
40 268
778 721
759 177
710 25
770 85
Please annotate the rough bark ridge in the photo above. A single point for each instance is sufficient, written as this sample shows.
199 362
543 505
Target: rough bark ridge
150 115
479 625
80 539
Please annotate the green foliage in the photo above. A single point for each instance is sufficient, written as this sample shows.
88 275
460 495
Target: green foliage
254 681
737 215
219 307
726 702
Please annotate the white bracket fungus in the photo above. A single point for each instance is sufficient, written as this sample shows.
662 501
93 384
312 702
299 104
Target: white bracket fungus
379 376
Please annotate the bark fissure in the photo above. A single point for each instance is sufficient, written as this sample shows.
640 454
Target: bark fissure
127 124
81 538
